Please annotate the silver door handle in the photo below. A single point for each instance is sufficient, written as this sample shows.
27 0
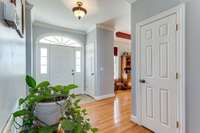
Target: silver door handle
92 74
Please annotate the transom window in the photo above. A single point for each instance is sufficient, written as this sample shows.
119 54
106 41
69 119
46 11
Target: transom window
59 40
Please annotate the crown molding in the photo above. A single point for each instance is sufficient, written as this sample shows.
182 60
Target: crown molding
50 26
100 26
119 40
131 1
91 28
105 27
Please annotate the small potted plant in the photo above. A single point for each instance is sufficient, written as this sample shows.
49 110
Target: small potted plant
49 109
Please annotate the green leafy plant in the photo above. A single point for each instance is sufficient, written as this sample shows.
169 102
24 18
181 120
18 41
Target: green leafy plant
73 120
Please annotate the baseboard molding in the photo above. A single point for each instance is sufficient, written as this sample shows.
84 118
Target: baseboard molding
9 128
104 96
89 94
135 120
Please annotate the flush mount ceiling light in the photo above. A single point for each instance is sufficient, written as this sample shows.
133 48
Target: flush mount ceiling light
79 11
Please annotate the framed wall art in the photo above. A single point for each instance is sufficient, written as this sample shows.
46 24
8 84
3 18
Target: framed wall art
19 6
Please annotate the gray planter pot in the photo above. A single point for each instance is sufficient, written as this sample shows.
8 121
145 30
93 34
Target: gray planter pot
49 113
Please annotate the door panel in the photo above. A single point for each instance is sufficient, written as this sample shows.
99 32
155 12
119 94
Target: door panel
90 71
158 69
62 65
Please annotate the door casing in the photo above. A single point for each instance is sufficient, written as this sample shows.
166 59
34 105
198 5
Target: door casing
180 12
36 63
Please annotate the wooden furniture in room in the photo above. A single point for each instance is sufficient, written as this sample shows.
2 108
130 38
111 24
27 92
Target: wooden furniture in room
126 70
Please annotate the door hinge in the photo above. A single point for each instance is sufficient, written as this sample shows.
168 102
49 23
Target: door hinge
177 124
177 76
177 27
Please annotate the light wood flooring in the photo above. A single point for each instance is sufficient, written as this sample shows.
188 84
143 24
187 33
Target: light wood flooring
113 115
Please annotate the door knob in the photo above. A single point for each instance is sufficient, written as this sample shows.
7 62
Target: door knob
142 81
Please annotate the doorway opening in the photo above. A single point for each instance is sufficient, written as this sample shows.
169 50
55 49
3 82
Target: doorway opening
122 66
60 60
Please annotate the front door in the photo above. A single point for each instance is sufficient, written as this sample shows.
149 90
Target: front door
62 65
158 75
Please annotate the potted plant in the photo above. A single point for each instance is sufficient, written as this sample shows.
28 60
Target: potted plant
49 109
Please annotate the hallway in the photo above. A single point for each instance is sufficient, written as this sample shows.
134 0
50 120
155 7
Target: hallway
113 115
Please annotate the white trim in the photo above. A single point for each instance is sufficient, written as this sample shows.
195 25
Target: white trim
46 25
8 128
88 93
101 26
131 1
119 40
91 28
104 96
135 120
180 11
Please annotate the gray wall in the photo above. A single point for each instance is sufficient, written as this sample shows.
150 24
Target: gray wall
143 9
105 62
12 69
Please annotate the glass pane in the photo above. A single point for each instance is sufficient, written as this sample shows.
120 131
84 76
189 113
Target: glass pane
43 69
59 40
51 39
43 51
43 61
78 69
78 54
78 61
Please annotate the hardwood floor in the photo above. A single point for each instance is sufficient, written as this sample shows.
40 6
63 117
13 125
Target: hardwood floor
113 115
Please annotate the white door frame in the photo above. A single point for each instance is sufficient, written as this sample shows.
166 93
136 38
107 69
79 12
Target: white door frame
180 12
47 45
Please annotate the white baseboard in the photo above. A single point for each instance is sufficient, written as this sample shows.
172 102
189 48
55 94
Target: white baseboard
89 94
9 128
135 120
104 96
9 125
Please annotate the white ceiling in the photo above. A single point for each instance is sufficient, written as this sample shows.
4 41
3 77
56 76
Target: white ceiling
113 13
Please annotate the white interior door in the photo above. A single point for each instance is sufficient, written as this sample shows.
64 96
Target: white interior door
90 69
61 65
158 75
